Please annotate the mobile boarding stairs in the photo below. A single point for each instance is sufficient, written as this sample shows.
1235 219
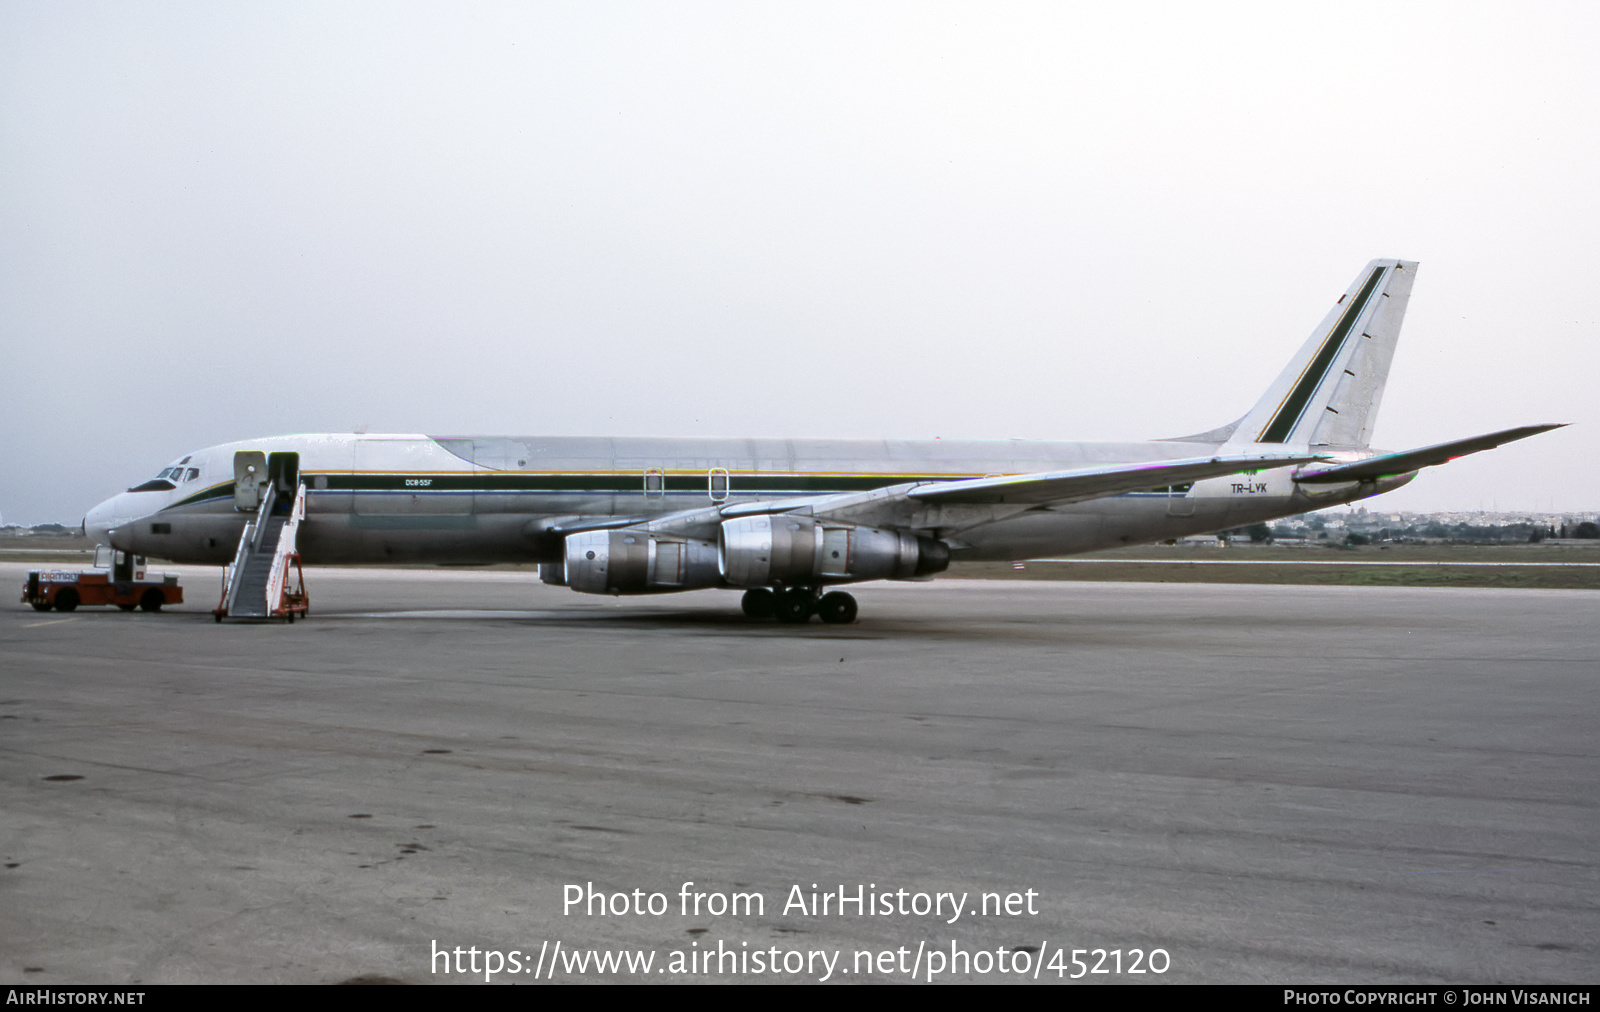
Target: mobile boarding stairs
259 583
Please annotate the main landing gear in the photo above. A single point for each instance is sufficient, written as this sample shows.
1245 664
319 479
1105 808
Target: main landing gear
798 604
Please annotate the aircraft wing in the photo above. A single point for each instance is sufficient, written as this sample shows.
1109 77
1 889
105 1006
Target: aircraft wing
1389 464
1058 488
966 502
957 503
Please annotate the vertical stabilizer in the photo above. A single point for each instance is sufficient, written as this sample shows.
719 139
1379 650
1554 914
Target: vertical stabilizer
1329 393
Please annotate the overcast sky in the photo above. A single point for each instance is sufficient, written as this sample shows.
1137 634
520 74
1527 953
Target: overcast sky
1052 221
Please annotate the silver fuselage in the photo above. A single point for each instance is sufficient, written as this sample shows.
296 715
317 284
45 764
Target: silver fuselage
482 500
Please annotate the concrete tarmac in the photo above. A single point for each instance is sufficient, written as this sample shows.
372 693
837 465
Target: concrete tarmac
1264 783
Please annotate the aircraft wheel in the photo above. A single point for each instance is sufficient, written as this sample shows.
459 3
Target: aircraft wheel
793 605
67 600
40 605
758 603
837 608
152 600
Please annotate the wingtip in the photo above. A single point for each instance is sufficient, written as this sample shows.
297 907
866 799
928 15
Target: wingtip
1534 430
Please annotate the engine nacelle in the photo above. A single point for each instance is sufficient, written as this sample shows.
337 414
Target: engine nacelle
797 550
633 562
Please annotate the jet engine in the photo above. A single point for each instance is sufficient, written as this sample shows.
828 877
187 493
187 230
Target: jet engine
798 551
633 562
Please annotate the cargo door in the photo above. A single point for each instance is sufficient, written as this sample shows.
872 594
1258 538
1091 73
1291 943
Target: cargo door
487 458
409 476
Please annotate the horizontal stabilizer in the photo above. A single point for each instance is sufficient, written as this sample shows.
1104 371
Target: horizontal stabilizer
1061 487
1390 464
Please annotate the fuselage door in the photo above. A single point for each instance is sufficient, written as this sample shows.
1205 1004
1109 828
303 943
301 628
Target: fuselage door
249 479
283 471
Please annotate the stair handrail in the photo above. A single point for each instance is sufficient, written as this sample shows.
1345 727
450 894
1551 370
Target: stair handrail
230 585
286 547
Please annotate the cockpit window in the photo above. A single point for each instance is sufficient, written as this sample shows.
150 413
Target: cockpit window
166 481
194 472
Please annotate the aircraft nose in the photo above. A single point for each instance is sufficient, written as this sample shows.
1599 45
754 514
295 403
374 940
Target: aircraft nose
99 522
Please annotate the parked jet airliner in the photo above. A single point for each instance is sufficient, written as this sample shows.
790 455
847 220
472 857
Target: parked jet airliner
783 519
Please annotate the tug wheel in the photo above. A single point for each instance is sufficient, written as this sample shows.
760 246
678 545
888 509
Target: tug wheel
67 600
152 600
